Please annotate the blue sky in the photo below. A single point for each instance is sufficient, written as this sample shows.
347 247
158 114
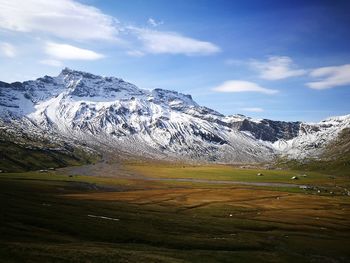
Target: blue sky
286 60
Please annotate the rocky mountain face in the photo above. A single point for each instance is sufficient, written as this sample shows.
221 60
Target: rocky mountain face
268 130
108 113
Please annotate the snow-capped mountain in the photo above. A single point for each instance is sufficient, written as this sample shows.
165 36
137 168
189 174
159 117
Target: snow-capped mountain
312 138
111 113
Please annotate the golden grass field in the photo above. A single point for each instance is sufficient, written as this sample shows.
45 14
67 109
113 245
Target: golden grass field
174 213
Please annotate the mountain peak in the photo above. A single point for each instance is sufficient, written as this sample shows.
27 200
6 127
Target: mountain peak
71 72
66 70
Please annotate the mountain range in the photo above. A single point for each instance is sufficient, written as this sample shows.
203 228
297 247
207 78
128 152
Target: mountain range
79 115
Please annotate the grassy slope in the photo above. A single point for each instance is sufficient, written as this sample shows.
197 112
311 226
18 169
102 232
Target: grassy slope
16 158
24 152
43 220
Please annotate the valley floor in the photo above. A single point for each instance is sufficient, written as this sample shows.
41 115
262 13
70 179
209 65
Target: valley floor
174 213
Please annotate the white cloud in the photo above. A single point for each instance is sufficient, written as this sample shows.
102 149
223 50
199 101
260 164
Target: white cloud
277 67
330 77
153 22
135 53
253 109
69 52
7 50
71 20
242 86
157 42
51 62
64 18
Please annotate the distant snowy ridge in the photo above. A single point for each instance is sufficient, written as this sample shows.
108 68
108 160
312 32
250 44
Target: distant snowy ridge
109 112
312 138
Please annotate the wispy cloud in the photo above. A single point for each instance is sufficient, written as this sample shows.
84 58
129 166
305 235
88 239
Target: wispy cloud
330 77
242 86
65 18
158 42
135 53
7 50
277 67
151 21
74 21
253 109
51 62
69 52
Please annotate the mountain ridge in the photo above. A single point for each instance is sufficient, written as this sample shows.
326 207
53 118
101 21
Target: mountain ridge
161 124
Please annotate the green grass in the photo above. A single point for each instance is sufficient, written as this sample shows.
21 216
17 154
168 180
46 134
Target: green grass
53 176
339 166
40 223
230 173
31 230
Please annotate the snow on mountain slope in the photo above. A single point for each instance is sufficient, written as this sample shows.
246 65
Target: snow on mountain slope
109 112
312 138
